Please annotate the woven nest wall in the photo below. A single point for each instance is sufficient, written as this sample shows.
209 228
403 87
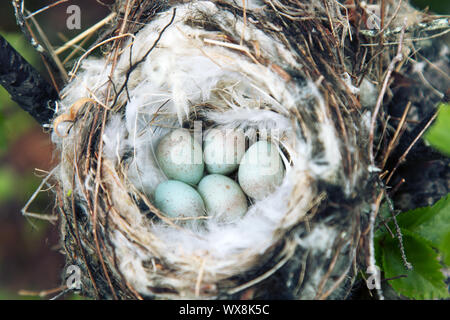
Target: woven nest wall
295 71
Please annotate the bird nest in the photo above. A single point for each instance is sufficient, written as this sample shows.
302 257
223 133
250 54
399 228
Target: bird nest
295 72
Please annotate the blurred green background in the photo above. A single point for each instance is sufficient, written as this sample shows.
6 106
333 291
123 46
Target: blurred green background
30 261
29 251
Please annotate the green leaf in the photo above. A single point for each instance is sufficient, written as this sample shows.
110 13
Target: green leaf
439 133
431 223
445 249
425 281
384 213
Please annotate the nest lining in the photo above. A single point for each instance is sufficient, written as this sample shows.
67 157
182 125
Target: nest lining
203 61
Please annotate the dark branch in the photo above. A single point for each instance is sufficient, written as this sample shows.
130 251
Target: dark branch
25 85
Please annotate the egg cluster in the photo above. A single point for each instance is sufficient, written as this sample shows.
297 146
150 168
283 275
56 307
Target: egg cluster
190 192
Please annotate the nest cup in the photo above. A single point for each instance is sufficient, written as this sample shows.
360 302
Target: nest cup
258 68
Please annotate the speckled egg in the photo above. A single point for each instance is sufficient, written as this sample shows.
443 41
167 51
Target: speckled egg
224 199
223 150
261 170
177 199
180 157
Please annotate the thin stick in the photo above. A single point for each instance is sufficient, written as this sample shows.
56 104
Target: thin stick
44 8
370 230
50 50
264 275
77 49
381 37
232 46
394 140
398 57
36 215
397 186
76 234
402 158
61 294
75 69
18 10
84 34
328 273
400 240
42 293
46 217
391 19
199 278
245 22
440 22
434 66
28 32
437 35
301 277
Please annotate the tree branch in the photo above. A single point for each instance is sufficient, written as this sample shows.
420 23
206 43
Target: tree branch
25 85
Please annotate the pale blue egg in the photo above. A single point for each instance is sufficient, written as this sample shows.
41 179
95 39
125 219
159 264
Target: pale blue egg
180 157
223 149
177 199
224 199
261 170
